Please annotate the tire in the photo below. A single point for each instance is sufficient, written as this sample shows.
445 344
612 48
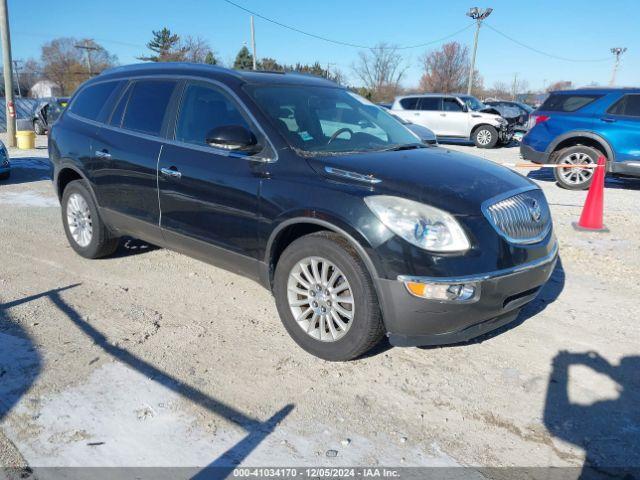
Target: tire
77 199
39 127
328 340
485 136
576 179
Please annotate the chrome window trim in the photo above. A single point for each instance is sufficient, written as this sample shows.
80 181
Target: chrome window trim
216 151
549 258
512 193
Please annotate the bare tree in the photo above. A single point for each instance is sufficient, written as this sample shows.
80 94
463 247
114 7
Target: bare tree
518 86
67 66
381 70
499 90
447 70
560 85
197 50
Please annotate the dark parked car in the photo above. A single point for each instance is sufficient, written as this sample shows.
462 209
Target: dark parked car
575 127
47 111
515 112
322 197
5 164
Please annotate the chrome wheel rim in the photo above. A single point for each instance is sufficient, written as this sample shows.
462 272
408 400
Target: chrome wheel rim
79 219
320 299
484 137
573 174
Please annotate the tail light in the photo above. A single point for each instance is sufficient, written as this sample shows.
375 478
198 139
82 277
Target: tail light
540 119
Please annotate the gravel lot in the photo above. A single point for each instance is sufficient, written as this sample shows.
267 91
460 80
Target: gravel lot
150 358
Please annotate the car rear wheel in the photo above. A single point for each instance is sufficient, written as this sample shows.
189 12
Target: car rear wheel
573 177
85 230
326 298
39 127
485 136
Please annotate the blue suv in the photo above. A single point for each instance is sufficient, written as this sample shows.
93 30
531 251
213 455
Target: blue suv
575 127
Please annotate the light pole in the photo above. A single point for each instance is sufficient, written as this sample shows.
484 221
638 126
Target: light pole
478 15
88 48
617 52
253 44
8 76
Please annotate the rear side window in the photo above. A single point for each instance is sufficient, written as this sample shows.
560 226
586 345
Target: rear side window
430 103
628 105
410 103
90 100
147 106
116 116
567 102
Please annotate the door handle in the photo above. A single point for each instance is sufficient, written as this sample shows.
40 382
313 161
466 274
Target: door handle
443 114
171 172
608 119
417 114
103 154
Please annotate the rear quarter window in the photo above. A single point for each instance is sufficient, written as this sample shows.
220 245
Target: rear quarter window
410 103
90 100
568 102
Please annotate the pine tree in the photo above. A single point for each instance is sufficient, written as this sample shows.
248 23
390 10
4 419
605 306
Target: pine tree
244 60
166 46
210 59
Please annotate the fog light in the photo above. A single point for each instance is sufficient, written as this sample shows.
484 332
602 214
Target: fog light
447 292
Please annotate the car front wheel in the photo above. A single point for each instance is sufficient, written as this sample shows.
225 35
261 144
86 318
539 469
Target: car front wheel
485 136
573 177
86 232
326 298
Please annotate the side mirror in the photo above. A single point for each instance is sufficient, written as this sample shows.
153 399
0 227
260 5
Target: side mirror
232 137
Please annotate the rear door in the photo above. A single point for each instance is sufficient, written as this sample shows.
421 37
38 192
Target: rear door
129 146
209 196
453 120
621 127
430 109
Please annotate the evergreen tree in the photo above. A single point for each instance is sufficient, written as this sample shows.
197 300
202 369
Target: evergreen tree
244 60
166 46
210 59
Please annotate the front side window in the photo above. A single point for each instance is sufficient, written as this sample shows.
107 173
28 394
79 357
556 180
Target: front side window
147 106
451 105
324 120
628 105
473 103
204 108
91 100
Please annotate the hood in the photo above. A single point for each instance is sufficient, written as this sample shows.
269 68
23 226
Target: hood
455 182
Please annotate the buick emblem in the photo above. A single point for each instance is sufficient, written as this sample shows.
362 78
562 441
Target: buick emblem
535 211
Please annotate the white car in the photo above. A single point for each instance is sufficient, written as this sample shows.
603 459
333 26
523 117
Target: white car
455 116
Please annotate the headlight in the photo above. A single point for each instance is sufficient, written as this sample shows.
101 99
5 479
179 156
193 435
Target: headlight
424 226
502 121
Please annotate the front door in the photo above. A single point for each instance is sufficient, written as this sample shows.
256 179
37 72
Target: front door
209 196
621 127
454 121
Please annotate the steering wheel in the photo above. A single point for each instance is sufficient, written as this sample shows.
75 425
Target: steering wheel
338 133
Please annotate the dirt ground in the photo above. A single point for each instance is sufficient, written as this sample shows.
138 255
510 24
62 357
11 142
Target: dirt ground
150 358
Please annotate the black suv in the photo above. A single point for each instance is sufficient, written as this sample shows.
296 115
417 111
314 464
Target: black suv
357 227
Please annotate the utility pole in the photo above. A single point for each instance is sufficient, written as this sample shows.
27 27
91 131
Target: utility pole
617 52
15 68
253 45
8 76
478 15
88 48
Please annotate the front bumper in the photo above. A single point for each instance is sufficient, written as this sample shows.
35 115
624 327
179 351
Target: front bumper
505 134
413 321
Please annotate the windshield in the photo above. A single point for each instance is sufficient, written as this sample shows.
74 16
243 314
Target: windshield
473 103
327 120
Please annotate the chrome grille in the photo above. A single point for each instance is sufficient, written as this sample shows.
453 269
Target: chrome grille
521 218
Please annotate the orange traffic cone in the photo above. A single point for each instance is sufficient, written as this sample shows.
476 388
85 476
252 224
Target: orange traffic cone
591 218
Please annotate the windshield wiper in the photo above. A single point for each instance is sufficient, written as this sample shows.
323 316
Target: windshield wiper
405 146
